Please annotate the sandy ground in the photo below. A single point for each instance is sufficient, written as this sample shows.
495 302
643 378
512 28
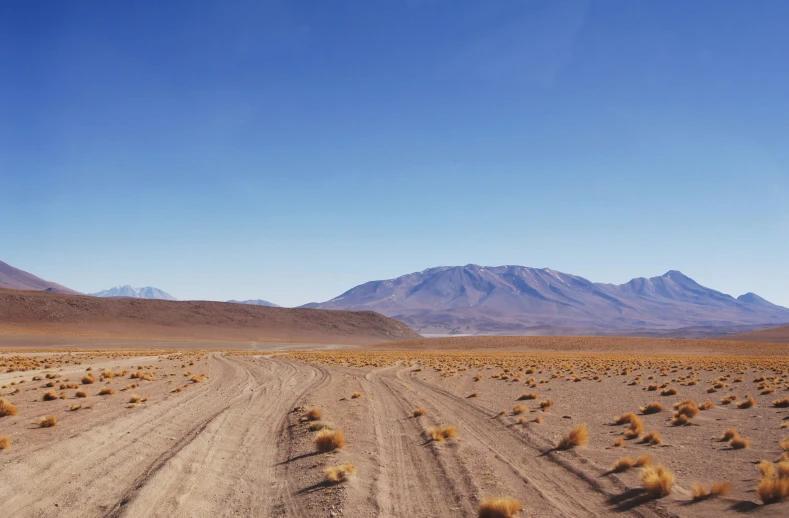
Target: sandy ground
234 442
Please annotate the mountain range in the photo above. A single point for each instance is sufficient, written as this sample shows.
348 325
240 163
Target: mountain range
475 299
147 292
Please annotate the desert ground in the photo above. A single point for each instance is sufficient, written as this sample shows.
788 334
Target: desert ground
405 429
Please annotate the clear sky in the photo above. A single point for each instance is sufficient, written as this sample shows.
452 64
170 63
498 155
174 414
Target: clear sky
291 150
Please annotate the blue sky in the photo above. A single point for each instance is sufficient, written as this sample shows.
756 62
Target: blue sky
291 150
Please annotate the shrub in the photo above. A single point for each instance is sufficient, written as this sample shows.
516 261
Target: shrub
781 403
687 408
341 473
653 438
88 379
441 433
499 507
50 395
623 464
578 436
651 408
418 412
748 403
520 409
730 434
329 440
717 489
629 417
772 489
313 414
636 428
738 443
48 421
657 480
7 408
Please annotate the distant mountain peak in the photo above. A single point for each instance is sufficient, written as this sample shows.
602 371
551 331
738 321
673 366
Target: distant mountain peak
517 299
256 302
126 290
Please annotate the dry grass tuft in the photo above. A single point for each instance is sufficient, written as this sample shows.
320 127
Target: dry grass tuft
668 392
520 409
313 414
578 436
773 486
636 428
75 406
356 395
5 442
644 461
7 408
49 395
329 440
623 464
341 473
88 379
81 393
653 438
505 507
135 399
784 444
748 403
106 391
717 489
48 421
657 480
619 442
706 405
739 443
651 408
441 433
546 404
538 419
419 412
629 417
781 403
527 396
730 434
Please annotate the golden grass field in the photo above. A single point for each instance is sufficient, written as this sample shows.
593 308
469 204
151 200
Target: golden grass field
570 428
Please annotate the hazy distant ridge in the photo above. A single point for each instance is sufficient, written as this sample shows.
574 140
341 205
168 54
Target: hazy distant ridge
518 299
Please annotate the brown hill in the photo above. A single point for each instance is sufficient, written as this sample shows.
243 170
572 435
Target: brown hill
16 279
774 334
29 312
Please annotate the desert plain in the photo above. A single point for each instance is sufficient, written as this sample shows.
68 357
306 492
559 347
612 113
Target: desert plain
437 427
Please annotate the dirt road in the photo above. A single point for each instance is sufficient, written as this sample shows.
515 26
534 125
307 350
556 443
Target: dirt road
233 446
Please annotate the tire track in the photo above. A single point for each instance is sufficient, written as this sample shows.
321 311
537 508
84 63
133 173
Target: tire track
559 491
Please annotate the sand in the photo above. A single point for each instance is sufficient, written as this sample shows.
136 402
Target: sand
235 443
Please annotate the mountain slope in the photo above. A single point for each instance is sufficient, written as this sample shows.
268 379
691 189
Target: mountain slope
256 302
520 300
25 312
16 279
147 292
